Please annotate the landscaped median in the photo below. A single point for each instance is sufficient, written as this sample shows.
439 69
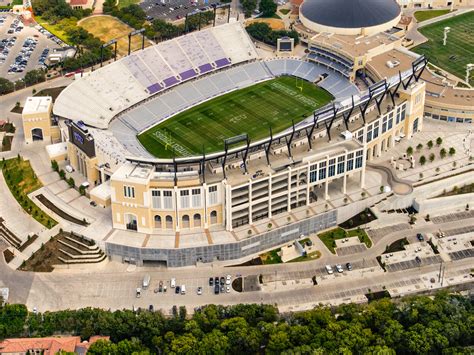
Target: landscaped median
329 238
21 180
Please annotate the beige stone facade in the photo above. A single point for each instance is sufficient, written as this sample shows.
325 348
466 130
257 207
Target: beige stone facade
36 117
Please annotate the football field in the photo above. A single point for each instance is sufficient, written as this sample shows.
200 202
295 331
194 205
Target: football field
459 49
251 110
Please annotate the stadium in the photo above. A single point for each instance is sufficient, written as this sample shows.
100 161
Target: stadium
195 139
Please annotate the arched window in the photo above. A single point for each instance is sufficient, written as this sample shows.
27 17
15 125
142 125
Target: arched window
213 217
197 220
157 221
185 221
169 222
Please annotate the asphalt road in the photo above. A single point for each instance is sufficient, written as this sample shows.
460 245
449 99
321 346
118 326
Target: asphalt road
113 286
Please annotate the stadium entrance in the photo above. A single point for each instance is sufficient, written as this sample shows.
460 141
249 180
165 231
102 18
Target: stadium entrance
37 134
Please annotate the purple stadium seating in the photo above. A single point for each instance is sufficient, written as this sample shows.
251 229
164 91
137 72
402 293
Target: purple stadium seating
170 81
188 74
154 88
205 68
222 62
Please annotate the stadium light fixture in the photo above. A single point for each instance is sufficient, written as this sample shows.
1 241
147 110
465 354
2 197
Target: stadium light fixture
445 33
469 68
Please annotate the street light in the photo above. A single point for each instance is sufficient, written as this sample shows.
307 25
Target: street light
469 67
446 31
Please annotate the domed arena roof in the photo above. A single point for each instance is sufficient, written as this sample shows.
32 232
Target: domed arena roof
349 14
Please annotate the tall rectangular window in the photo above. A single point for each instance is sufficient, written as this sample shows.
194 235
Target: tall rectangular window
184 201
168 199
359 157
156 198
196 199
212 195
322 170
129 191
313 173
332 167
340 165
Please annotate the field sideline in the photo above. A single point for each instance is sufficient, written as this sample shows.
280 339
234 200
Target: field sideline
459 49
251 110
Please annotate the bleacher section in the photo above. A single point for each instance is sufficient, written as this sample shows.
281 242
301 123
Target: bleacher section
331 81
331 60
99 96
184 96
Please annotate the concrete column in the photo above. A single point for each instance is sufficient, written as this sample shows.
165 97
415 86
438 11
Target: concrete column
344 184
227 206
289 189
176 209
326 190
250 201
204 214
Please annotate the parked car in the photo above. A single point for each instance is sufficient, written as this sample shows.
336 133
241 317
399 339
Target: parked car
349 266
339 268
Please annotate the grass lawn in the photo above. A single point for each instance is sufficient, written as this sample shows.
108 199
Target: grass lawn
125 3
53 92
58 29
329 237
429 14
459 49
271 257
251 110
107 28
21 181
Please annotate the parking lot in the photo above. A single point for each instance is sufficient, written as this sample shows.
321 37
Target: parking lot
22 48
414 263
171 9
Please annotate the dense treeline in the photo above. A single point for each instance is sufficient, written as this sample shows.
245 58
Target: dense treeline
413 325
56 10
262 31
32 77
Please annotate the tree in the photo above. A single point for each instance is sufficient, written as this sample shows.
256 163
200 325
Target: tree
54 165
6 86
430 144
442 153
420 175
34 77
431 157
249 6
422 160
452 151
419 147
437 170
454 165
439 141
381 189
410 150
267 7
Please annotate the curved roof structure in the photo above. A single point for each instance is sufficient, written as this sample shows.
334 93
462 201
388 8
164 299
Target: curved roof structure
350 16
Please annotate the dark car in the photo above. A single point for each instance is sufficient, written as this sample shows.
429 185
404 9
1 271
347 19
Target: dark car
216 280
177 290
418 259
420 237
211 281
216 289
151 308
349 266
222 280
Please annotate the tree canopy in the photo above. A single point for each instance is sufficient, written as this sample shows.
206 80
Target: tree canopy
262 31
267 8
412 325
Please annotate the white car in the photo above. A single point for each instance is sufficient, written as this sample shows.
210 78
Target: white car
339 268
329 269
227 289
199 290
227 280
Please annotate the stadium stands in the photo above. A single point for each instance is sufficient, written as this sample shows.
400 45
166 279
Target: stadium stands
182 97
114 88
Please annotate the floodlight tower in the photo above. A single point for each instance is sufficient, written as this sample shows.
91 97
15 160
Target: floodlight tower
469 67
446 31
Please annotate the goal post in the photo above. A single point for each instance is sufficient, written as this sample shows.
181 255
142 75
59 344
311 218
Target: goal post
299 83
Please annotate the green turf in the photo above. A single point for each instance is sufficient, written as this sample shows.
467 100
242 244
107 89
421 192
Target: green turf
459 49
251 110
429 14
